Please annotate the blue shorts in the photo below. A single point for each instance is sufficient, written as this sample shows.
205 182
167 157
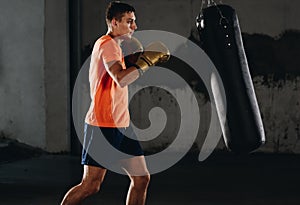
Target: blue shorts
117 137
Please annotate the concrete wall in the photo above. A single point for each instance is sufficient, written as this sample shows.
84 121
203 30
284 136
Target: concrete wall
56 76
34 67
34 72
280 107
256 16
263 24
22 88
267 17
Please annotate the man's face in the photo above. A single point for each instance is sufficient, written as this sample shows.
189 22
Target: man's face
126 26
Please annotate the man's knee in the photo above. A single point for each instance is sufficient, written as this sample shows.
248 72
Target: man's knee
92 179
141 182
90 188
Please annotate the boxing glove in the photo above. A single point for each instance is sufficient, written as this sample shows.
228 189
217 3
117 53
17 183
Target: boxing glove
131 48
154 53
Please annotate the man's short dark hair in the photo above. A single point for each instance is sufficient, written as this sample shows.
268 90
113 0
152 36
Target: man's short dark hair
116 10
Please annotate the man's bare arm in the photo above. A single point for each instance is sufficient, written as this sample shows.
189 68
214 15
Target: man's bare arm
123 77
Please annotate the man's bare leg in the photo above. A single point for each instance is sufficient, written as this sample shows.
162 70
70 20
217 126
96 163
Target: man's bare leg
138 173
138 190
90 184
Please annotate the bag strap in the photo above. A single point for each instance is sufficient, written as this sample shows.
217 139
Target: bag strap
208 3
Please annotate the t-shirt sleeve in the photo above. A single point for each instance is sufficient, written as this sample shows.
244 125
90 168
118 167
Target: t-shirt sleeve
110 53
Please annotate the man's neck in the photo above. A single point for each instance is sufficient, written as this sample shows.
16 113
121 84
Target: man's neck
115 37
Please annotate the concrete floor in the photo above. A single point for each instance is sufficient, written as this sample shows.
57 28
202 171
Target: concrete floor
222 179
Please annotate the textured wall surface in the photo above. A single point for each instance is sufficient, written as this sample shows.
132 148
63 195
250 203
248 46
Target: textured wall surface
34 63
22 90
56 78
34 73
280 107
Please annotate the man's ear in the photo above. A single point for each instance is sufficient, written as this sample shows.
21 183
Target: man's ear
114 22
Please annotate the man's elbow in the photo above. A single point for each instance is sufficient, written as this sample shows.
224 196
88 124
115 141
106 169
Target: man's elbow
127 79
122 84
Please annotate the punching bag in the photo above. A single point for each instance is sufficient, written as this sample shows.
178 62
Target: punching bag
221 39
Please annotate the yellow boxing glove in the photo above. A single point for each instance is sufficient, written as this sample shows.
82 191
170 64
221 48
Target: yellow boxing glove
154 53
131 48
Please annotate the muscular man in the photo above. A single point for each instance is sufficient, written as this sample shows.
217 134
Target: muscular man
108 112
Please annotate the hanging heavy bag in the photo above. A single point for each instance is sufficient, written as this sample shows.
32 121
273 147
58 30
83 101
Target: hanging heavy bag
221 39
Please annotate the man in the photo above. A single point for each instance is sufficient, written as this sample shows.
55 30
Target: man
108 111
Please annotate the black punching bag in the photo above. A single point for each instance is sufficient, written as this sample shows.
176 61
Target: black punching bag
221 39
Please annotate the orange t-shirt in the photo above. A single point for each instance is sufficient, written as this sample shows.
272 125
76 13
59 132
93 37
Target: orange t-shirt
109 105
